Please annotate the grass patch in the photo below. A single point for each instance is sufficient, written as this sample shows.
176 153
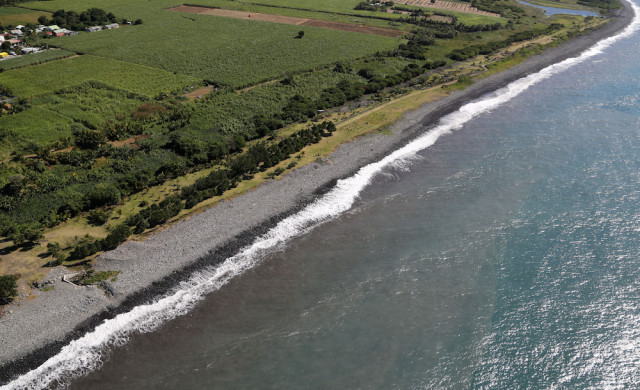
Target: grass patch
93 277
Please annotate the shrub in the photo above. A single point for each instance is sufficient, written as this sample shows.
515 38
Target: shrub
117 236
86 247
8 288
98 217
103 195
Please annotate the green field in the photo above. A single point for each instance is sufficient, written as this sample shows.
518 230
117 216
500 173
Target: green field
50 115
11 16
34 59
38 125
52 76
4 11
226 51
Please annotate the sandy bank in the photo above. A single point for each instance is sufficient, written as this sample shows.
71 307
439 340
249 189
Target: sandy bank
37 329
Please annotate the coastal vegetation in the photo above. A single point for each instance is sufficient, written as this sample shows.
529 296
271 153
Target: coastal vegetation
114 133
8 288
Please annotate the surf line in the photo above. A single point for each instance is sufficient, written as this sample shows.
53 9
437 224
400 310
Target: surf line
84 354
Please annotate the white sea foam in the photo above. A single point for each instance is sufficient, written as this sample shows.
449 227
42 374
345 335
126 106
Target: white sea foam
84 354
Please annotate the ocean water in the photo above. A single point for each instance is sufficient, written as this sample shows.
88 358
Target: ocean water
500 250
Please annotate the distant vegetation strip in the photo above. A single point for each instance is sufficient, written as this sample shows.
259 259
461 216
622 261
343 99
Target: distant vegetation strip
52 76
35 59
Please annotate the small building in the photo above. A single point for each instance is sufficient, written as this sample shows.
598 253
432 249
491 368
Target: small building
29 50
17 32
52 28
1 38
19 27
111 26
14 41
62 32
93 29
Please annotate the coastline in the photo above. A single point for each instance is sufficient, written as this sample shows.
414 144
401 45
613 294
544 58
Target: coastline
149 268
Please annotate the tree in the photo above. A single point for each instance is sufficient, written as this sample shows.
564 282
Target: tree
55 251
118 235
300 34
26 234
8 288
53 248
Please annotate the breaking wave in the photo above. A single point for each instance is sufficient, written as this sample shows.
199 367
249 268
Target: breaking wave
85 354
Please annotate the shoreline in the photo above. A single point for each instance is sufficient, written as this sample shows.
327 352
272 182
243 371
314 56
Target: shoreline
152 267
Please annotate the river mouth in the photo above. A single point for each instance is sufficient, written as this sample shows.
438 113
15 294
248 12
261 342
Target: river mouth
556 11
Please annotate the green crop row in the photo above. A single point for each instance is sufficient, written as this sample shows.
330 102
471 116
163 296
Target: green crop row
34 59
226 51
52 76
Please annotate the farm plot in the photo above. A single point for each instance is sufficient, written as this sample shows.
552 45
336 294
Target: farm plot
38 125
288 20
52 76
34 59
226 51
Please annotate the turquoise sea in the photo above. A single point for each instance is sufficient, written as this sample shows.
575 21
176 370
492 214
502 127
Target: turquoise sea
500 253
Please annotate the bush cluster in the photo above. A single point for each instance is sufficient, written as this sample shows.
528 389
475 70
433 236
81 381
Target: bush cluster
8 288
